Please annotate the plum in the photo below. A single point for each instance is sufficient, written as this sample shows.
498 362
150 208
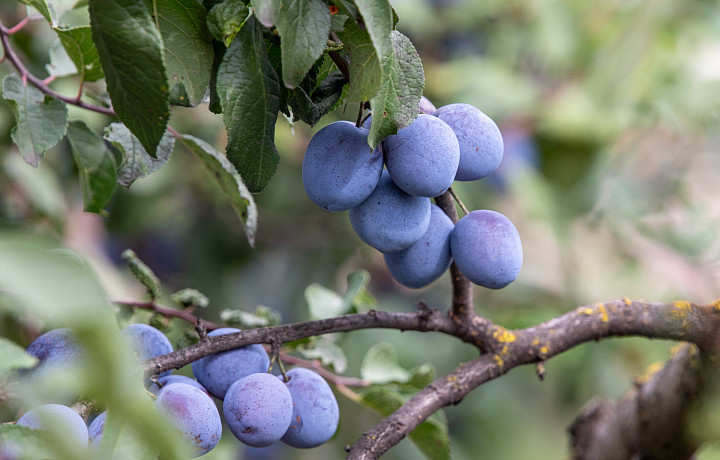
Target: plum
147 342
58 418
315 412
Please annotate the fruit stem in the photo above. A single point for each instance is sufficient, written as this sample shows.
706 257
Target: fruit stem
459 201
359 121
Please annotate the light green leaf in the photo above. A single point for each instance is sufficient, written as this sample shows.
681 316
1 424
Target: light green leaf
323 302
304 26
431 436
380 365
266 11
143 273
249 94
365 69
131 53
79 46
378 20
325 349
136 162
187 47
232 184
43 9
60 64
41 120
357 282
396 104
226 19
262 317
13 356
96 166
190 297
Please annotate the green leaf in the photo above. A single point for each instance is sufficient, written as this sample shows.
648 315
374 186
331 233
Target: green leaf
232 184
262 317
42 8
311 108
324 302
249 94
431 436
190 297
41 120
96 166
380 365
13 356
357 282
78 44
304 26
143 273
378 21
131 53
136 162
187 48
266 11
60 64
396 104
422 375
365 69
325 349
226 19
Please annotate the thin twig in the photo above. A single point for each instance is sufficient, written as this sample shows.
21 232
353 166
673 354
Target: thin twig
459 201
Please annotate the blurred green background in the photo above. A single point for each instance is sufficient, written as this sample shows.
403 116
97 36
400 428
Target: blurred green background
609 110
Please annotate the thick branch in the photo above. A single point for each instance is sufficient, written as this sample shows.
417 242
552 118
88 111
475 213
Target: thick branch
678 321
651 421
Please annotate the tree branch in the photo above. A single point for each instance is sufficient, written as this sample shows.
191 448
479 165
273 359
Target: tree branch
38 83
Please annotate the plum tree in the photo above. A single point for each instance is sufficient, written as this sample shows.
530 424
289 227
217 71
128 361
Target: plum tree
390 219
479 138
59 418
339 170
193 413
147 341
486 248
423 158
257 409
315 412
220 370
427 259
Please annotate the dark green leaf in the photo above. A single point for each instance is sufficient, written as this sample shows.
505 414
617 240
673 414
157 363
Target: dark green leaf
311 108
365 69
130 50
266 11
380 365
43 9
337 22
78 43
218 54
41 120
232 184
226 19
431 436
377 20
143 273
396 104
96 166
136 162
187 48
249 95
304 26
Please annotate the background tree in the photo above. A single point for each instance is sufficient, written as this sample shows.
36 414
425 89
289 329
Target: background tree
608 114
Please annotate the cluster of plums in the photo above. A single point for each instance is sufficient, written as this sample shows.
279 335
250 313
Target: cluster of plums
259 408
388 191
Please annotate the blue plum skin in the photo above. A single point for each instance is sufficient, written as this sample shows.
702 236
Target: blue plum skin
56 349
315 413
96 428
57 417
257 409
193 413
481 143
487 249
339 170
390 220
166 380
426 106
218 371
147 341
423 158
425 261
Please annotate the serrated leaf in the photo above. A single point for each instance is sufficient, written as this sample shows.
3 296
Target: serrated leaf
190 297
60 64
304 26
365 68
249 95
41 120
13 356
131 54
79 46
266 11
226 19
43 9
187 48
396 104
431 436
324 349
378 21
262 317
136 162
230 181
311 108
324 302
357 282
96 166
337 22
380 365
143 273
